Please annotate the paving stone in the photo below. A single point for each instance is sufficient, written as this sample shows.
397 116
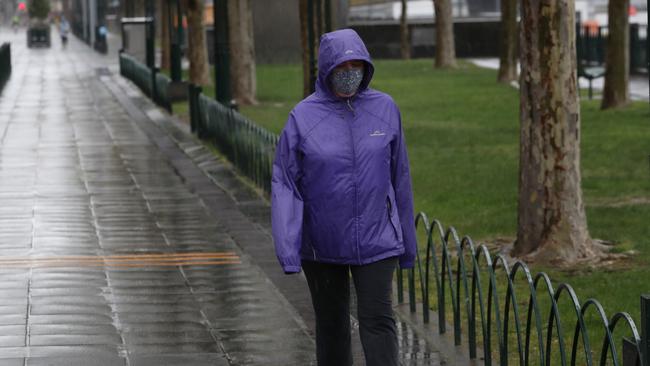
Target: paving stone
174 360
173 348
13 353
13 319
74 329
168 337
76 361
12 362
42 309
75 340
12 341
69 300
74 351
70 319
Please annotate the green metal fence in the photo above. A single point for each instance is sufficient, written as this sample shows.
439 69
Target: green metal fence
248 146
5 64
160 87
485 293
152 82
137 72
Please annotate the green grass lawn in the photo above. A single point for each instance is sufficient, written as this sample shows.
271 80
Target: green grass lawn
462 131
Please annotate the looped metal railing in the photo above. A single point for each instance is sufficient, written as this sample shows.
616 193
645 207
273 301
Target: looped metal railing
466 281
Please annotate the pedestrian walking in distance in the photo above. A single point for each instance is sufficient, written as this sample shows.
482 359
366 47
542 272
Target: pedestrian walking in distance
342 202
64 29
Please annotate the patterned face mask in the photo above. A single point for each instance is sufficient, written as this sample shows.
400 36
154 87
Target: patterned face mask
347 81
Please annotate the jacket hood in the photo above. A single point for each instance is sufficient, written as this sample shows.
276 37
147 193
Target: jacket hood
338 47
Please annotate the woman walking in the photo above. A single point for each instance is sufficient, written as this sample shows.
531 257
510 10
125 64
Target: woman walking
342 202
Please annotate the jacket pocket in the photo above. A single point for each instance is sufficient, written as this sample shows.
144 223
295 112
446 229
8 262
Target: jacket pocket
393 219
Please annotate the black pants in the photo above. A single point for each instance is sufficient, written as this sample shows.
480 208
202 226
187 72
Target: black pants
329 285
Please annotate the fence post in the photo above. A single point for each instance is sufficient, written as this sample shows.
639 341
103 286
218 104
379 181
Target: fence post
411 288
194 91
645 329
221 52
630 355
154 88
9 57
400 286
190 95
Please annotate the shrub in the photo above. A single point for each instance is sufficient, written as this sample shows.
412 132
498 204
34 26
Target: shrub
39 9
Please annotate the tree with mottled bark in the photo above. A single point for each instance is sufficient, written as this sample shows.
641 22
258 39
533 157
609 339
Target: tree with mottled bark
552 224
404 33
508 43
445 47
197 52
617 58
242 52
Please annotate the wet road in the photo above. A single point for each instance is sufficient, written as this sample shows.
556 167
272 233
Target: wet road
116 248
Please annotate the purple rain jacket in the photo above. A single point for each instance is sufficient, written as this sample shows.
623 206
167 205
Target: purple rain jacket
341 188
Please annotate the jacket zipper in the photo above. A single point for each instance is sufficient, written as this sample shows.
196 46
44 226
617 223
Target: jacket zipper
354 170
350 106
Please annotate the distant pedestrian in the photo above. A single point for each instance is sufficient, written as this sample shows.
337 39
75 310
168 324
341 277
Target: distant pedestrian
15 22
64 29
342 202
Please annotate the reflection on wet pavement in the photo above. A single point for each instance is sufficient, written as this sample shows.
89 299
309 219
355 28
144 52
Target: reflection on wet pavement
109 255
106 256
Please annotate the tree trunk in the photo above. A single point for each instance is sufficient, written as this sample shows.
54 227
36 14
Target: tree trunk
163 5
508 52
617 62
242 52
197 51
445 48
552 224
304 41
404 33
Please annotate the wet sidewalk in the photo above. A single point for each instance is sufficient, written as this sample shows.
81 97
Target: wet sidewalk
123 241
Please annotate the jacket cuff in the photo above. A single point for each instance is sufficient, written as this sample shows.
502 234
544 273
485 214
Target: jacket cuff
406 262
291 269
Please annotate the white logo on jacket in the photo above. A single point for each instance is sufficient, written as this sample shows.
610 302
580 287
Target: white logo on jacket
378 133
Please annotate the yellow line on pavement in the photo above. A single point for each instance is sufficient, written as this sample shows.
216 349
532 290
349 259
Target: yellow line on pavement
110 260
137 255
135 260
126 265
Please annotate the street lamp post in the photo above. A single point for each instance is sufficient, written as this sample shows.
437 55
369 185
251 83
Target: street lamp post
151 35
175 40
221 52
